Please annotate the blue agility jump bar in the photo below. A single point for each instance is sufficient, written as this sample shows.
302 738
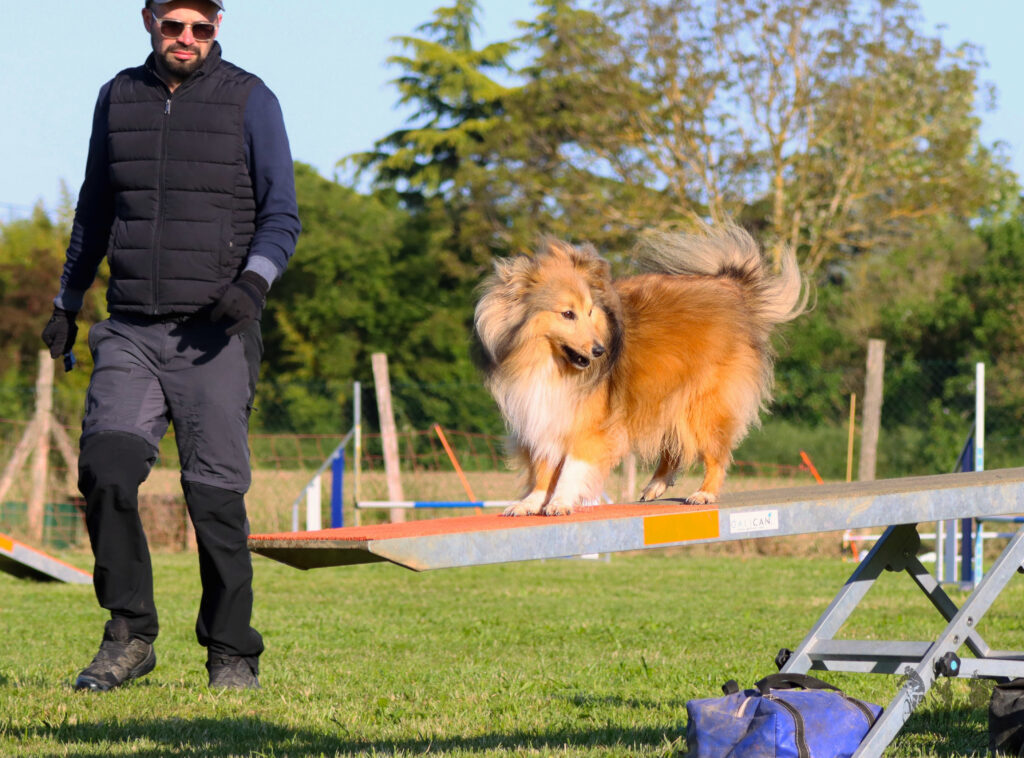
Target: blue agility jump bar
434 503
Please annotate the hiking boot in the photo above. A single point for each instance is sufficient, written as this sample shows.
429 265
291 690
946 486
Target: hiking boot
231 672
121 658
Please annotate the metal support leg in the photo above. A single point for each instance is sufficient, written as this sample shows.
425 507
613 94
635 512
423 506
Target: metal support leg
944 604
919 679
915 661
896 545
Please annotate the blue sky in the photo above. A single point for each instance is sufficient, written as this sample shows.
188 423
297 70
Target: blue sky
325 60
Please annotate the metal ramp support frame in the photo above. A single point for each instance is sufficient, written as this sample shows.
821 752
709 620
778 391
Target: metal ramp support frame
897 505
918 662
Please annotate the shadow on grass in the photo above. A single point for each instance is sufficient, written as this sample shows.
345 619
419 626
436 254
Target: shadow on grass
219 738
941 734
946 732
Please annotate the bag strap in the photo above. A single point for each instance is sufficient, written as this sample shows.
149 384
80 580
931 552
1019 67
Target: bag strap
791 681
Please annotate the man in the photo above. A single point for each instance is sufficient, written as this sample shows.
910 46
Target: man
189 191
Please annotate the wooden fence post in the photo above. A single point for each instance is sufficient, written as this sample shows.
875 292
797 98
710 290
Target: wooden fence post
388 432
41 459
872 418
25 446
35 443
629 476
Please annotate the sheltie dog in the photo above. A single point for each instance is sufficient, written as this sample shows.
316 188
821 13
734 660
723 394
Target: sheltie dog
674 363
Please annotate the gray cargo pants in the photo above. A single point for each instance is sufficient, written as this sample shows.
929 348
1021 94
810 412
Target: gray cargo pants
147 374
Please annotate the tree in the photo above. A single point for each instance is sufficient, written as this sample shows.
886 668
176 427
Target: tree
457 102
364 279
31 257
549 169
978 315
320 313
834 126
838 125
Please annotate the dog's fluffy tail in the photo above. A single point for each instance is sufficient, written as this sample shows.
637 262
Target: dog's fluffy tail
729 251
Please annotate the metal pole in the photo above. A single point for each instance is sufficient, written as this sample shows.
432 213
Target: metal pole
357 421
455 464
979 417
337 488
979 464
313 503
849 441
945 567
339 450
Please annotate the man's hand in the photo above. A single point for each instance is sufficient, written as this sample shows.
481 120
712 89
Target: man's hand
242 301
60 332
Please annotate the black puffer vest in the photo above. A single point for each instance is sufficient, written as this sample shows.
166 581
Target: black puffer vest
184 211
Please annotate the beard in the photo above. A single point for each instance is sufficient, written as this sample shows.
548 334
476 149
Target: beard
182 70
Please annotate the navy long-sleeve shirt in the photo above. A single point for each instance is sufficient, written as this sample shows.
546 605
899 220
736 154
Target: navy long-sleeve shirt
269 160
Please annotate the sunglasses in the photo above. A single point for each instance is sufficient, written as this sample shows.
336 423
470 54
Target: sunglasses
202 31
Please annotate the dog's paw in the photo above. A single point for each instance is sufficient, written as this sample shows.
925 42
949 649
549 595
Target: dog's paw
557 508
528 506
700 497
654 490
520 510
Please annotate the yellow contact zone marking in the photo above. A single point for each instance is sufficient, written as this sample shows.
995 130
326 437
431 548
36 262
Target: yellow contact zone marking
680 527
6 543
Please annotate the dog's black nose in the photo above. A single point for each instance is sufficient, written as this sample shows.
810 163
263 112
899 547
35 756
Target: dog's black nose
597 350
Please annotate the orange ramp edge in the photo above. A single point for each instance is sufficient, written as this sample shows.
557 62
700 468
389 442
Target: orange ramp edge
672 522
21 560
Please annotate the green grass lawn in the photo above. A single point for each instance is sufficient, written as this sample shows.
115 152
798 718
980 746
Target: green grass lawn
559 658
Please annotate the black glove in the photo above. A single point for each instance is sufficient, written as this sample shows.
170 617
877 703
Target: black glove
60 332
242 302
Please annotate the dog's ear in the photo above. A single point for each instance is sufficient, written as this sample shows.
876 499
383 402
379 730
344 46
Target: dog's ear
595 269
584 258
514 273
500 308
556 248
504 269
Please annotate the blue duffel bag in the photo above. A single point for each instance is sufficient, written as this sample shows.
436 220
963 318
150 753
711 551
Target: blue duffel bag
784 716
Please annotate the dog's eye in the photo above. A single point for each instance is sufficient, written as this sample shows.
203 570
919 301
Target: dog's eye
569 315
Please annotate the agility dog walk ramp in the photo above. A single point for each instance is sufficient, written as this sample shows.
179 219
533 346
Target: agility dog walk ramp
23 561
897 504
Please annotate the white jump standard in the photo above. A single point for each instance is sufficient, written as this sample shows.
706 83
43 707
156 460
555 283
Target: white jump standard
899 504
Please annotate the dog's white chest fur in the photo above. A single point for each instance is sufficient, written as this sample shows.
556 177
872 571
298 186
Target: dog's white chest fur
540 409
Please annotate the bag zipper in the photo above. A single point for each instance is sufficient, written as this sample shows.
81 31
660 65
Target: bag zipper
802 750
862 707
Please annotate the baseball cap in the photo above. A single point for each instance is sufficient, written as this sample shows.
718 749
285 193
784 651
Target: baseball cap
218 3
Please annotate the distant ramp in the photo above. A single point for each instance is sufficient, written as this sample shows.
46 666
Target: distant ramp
23 561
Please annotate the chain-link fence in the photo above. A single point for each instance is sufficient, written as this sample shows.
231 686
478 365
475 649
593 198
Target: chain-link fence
927 415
